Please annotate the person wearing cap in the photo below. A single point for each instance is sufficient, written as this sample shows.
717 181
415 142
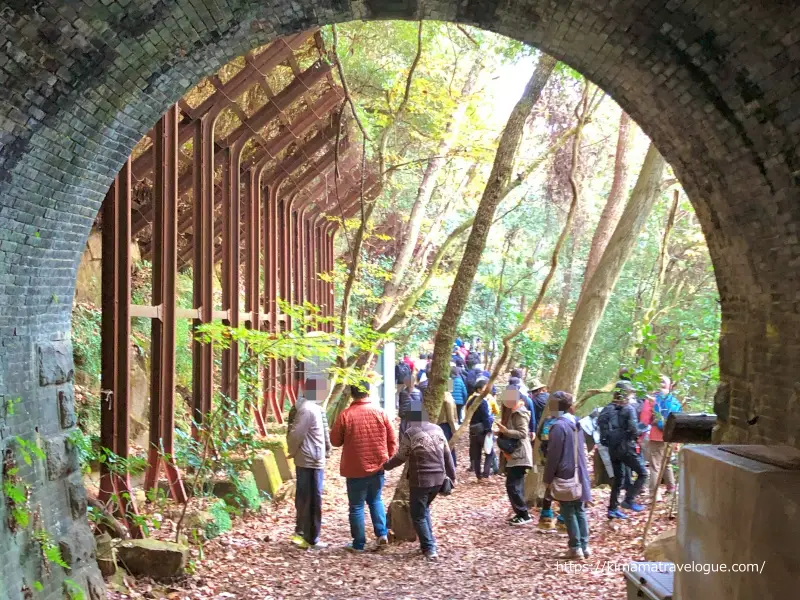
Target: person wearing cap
517 372
619 431
424 447
479 426
539 396
367 439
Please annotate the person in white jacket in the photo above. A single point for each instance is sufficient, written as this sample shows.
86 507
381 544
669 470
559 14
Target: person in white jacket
308 442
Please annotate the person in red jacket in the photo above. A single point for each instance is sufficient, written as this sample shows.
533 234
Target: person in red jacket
367 439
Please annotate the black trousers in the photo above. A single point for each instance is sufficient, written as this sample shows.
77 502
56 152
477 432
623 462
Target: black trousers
515 487
475 456
632 462
308 503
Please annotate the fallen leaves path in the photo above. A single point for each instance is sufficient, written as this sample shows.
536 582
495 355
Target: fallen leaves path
480 555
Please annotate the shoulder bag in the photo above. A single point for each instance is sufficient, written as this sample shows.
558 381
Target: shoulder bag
568 490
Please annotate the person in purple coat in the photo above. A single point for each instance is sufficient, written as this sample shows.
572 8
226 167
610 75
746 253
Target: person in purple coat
561 463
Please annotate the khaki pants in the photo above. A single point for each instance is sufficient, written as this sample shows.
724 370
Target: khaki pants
655 454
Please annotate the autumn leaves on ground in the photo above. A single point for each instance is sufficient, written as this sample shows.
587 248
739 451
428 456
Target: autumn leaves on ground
480 556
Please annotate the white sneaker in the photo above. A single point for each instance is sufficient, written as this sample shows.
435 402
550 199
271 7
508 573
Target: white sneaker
574 554
587 552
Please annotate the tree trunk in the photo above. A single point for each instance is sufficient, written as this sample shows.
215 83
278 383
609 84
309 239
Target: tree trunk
615 203
498 182
423 198
596 294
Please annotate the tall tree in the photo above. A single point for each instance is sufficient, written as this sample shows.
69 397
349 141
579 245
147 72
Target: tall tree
615 202
597 292
424 194
499 180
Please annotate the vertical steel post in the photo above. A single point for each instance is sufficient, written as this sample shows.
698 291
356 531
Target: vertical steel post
163 329
253 265
116 336
203 266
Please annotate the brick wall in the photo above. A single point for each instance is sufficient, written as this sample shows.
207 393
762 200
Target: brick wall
710 81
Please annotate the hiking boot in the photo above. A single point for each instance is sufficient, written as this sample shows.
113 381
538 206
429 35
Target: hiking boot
632 506
350 548
518 520
430 554
587 552
617 514
574 554
304 545
546 523
297 539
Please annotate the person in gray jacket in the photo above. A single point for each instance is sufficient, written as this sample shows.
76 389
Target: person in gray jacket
309 444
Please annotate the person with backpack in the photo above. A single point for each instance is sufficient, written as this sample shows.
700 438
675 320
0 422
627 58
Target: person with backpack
618 432
566 476
655 415
431 471
516 452
459 392
472 374
479 426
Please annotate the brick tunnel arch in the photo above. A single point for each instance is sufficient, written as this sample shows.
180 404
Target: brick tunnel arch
709 80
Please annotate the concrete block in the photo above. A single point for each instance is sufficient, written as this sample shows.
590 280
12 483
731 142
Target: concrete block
266 472
153 558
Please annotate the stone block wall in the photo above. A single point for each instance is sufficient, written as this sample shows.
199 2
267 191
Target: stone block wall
713 82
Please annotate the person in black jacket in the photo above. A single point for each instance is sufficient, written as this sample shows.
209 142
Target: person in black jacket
618 432
479 426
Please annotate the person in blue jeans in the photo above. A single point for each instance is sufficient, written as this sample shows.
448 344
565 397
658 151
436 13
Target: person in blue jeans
367 439
566 444
367 490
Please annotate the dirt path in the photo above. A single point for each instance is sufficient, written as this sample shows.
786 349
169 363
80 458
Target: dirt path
480 556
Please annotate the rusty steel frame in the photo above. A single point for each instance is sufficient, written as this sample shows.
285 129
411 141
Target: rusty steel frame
115 384
271 222
163 330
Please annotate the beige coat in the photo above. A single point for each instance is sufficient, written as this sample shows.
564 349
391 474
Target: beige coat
518 429
448 413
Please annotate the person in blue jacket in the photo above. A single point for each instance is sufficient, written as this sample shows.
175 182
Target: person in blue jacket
459 391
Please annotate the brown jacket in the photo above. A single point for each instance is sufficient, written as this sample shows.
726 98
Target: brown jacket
425 448
517 421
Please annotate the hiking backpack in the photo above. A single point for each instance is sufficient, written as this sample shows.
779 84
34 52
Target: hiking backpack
611 433
472 378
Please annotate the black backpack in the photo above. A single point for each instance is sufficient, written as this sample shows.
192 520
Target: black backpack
472 378
612 435
401 371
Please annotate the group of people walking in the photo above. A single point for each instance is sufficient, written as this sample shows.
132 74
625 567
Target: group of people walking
503 438
369 448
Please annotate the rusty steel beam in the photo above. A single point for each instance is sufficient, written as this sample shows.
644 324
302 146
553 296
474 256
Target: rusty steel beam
231 241
202 268
286 168
163 330
115 344
270 111
278 52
